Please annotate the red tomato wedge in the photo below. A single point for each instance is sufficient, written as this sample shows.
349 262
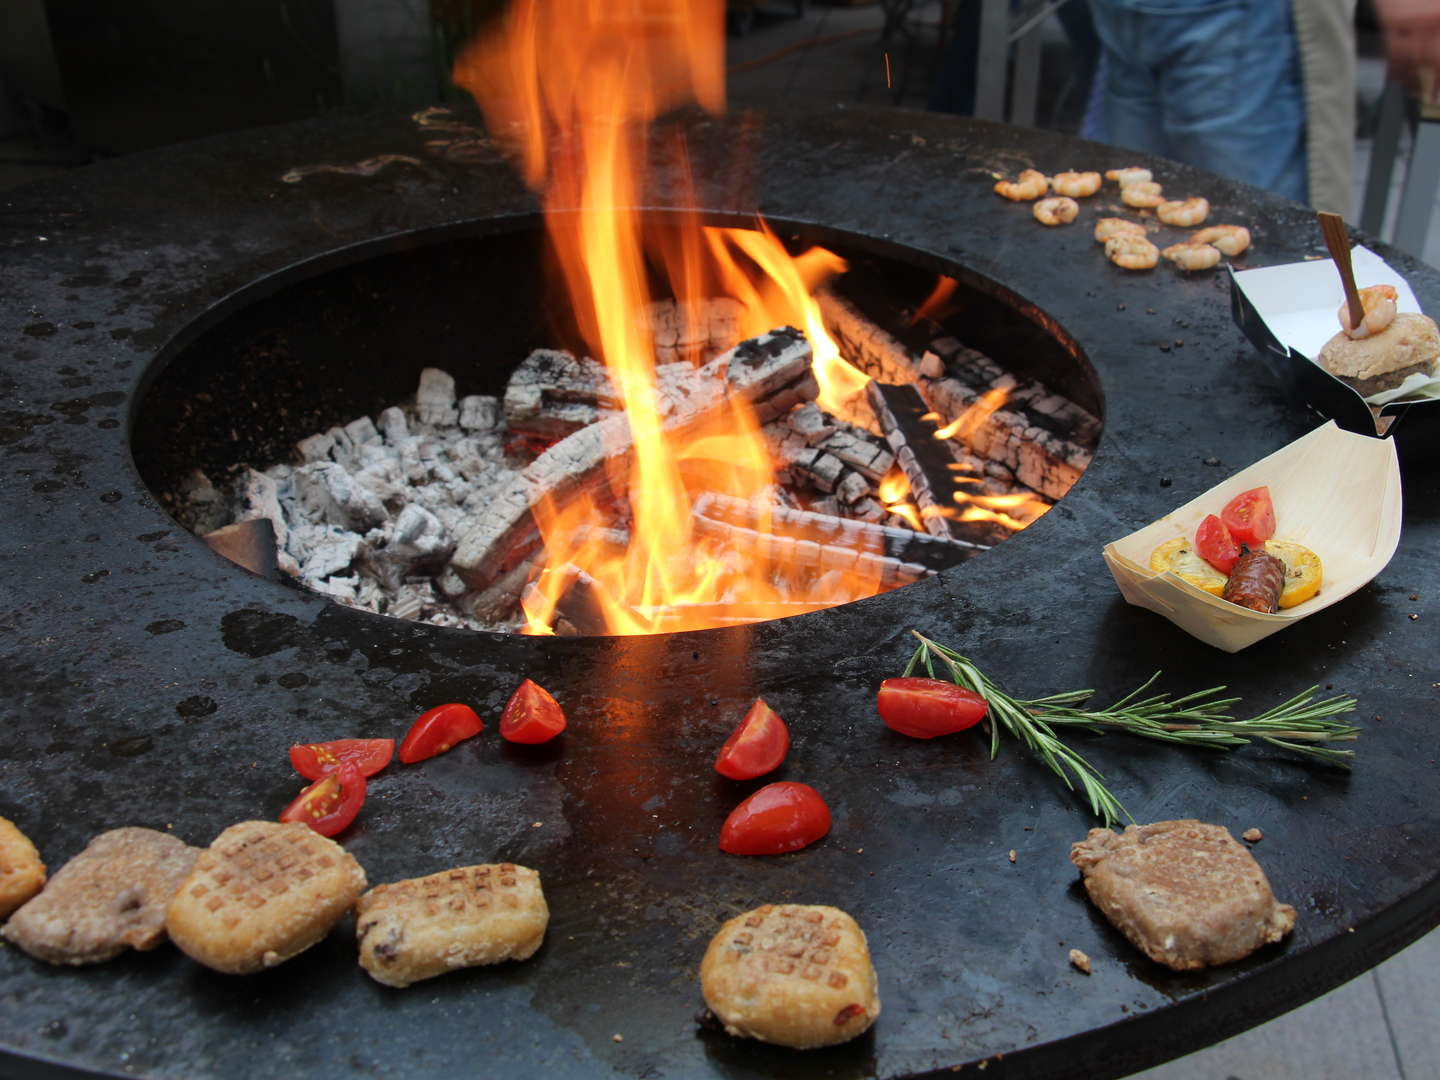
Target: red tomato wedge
314 760
330 803
780 817
437 730
926 708
1250 517
531 715
1215 545
757 746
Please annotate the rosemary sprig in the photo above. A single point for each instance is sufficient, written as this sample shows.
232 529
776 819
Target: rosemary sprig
1033 731
1198 719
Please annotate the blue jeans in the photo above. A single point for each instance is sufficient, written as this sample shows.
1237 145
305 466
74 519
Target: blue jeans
1214 83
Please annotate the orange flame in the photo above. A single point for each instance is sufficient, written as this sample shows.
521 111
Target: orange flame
972 419
994 507
571 88
893 489
934 305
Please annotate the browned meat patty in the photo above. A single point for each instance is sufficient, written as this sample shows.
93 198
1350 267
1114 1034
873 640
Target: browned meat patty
1186 894
110 897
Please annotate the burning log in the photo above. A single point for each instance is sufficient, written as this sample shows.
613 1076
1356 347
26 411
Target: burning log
925 459
554 393
761 371
826 455
1044 440
804 539
693 333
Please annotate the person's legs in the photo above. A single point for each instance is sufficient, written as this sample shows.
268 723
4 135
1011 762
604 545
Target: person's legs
1130 113
1232 96
1215 83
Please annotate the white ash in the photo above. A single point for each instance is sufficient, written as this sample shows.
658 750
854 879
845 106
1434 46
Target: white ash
373 512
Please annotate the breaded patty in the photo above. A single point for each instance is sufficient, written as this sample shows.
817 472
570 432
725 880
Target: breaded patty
22 874
261 893
422 927
110 897
792 974
1186 894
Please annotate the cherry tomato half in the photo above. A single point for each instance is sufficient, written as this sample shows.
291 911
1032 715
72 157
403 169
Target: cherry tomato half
314 760
1250 517
925 708
757 746
330 803
531 715
1215 545
437 730
780 817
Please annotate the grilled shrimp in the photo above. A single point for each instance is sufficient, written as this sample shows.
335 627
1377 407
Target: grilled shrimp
1107 227
1192 256
1076 185
1186 214
1141 193
1379 302
1132 252
1133 174
1230 239
1031 185
1056 210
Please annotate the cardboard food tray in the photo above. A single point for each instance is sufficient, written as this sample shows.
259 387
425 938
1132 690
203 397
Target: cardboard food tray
1288 312
1336 492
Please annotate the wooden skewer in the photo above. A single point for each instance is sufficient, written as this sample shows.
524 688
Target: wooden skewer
1336 239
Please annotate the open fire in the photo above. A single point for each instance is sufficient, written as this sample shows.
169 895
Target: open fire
745 444
577 88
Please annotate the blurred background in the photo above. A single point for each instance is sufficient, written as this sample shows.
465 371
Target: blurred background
83 80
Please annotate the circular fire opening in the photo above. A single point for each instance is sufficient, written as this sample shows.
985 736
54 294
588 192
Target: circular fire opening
981 413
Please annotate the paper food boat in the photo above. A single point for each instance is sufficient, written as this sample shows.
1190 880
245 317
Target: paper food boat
1335 492
1288 313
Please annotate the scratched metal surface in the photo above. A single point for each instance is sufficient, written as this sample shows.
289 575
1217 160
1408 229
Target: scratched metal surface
147 683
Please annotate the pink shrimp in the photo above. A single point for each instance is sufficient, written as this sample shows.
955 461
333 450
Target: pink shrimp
1186 214
1192 256
1379 302
1031 185
1230 239
1141 193
1056 210
1076 185
1107 227
1132 252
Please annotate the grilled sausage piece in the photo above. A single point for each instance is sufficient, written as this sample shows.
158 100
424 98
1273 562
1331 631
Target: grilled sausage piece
1256 581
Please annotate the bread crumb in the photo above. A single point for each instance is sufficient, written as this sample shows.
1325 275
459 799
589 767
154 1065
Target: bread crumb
1080 961
1253 835
1012 855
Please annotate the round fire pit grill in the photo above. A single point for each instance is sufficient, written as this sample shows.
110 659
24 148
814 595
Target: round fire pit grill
148 682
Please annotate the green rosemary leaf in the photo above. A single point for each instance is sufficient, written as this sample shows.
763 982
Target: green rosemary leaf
1200 719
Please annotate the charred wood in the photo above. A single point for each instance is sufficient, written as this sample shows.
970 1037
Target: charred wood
925 460
1045 440
754 371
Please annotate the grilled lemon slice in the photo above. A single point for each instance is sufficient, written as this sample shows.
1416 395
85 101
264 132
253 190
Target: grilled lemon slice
1180 558
1302 571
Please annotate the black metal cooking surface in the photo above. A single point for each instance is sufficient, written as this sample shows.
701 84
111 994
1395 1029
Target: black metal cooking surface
146 682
